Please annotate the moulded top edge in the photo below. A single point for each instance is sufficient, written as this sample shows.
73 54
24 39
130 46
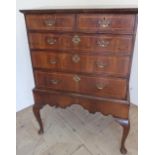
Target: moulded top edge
87 10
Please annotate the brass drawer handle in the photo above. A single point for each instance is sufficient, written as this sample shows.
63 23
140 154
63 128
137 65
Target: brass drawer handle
104 23
76 39
55 82
50 22
100 64
51 41
76 58
102 43
100 86
53 62
76 78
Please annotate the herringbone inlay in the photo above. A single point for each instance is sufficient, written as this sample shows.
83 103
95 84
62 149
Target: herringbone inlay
73 131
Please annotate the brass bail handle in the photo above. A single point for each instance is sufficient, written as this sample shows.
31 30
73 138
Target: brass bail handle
101 64
50 21
51 41
104 23
76 78
100 86
55 81
102 43
53 61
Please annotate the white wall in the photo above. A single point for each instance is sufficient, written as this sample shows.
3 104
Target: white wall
134 75
25 81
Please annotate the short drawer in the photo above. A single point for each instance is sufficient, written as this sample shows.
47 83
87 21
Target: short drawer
83 43
96 86
81 63
106 23
116 108
59 22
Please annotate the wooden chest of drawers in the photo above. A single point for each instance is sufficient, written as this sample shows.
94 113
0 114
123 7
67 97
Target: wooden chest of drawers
83 57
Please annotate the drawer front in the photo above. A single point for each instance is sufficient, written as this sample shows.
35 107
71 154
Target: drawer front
84 63
97 86
86 43
106 23
115 108
50 22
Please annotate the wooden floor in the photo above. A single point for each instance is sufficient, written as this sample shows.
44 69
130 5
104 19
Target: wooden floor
73 131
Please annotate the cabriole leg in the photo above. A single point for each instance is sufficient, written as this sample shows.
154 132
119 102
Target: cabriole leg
125 123
36 111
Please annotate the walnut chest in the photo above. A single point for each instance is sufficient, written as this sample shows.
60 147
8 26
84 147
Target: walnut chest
83 56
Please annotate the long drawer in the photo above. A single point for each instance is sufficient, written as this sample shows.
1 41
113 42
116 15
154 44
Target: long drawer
82 63
106 23
97 86
87 43
59 22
